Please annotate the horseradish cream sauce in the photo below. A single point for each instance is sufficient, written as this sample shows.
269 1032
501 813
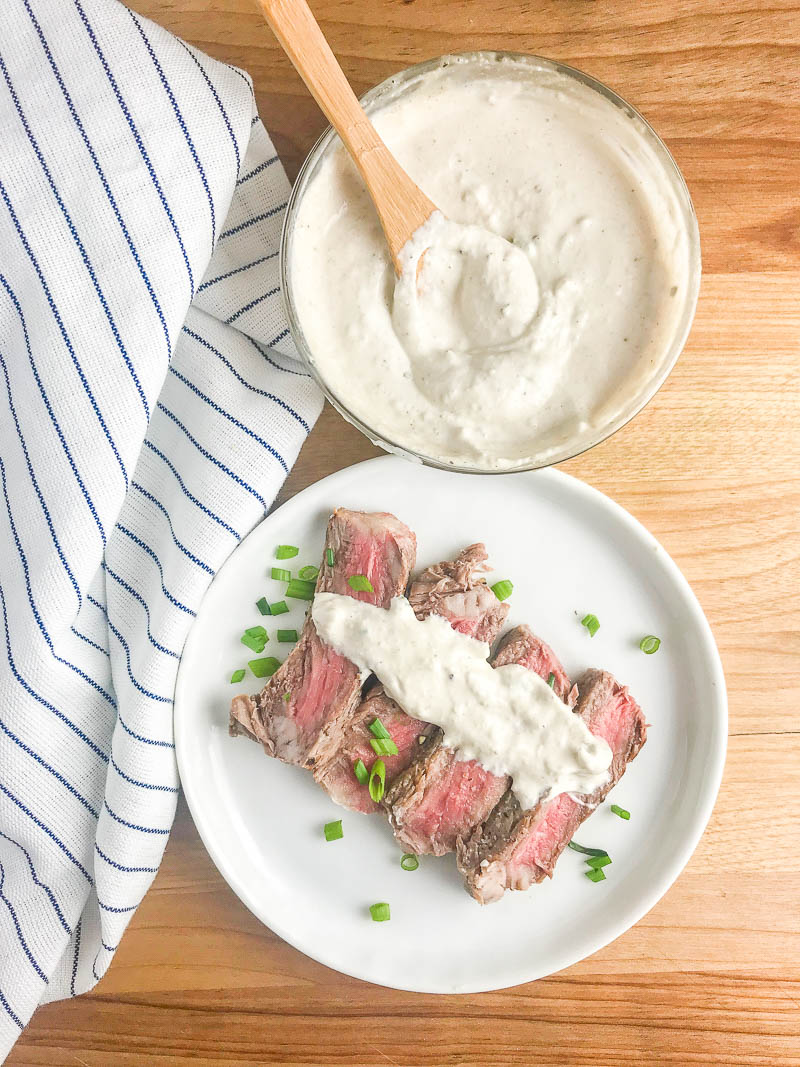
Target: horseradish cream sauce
508 718
551 284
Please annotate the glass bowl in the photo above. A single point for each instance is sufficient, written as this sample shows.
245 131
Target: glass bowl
405 81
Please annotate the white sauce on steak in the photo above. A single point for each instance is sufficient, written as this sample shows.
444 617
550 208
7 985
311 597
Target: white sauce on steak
508 718
548 294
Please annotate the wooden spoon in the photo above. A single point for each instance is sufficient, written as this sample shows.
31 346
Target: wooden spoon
401 205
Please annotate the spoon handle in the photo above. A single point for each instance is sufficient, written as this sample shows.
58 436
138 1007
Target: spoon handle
402 206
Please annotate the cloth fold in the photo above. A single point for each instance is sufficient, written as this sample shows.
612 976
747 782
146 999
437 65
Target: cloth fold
151 405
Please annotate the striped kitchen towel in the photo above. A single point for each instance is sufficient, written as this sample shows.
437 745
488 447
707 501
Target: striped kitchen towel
151 406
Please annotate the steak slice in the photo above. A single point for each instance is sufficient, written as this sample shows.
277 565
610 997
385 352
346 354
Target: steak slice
452 590
516 849
440 798
522 646
323 687
456 590
411 736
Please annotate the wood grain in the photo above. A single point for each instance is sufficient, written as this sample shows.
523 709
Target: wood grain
712 467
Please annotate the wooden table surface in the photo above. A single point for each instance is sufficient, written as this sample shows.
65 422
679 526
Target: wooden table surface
711 467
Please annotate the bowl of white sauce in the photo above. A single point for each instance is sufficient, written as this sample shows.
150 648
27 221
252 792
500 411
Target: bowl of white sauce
556 290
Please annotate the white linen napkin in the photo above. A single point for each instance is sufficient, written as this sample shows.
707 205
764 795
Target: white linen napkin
150 408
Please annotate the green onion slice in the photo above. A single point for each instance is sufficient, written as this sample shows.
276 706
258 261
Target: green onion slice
287 697
280 574
503 590
286 551
308 574
263 606
255 638
383 746
622 812
279 608
551 681
595 875
264 668
377 729
650 644
360 583
595 862
377 780
360 771
329 556
380 912
587 851
592 624
333 830
409 862
286 637
237 675
297 589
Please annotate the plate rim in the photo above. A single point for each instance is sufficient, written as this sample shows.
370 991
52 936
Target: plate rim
668 874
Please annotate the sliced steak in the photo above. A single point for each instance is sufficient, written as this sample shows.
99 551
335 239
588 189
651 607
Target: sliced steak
441 799
457 591
522 646
323 687
516 849
410 735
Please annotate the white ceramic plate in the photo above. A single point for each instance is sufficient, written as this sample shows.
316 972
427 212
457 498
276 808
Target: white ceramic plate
569 550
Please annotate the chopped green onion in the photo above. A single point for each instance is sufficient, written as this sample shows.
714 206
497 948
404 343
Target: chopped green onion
595 875
263 606
279 608
286 551
595 862
377 780
380 912
623 814
308 574
592 624
333 830
377 729
360 771
650 644
280 574
287 697
300 590
587 851
360 583
286 637
237 675
551 681
503 590
383 746
409 862
329 556
264 668
255 638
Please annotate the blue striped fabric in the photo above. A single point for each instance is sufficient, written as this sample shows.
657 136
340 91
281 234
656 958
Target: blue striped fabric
151 406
